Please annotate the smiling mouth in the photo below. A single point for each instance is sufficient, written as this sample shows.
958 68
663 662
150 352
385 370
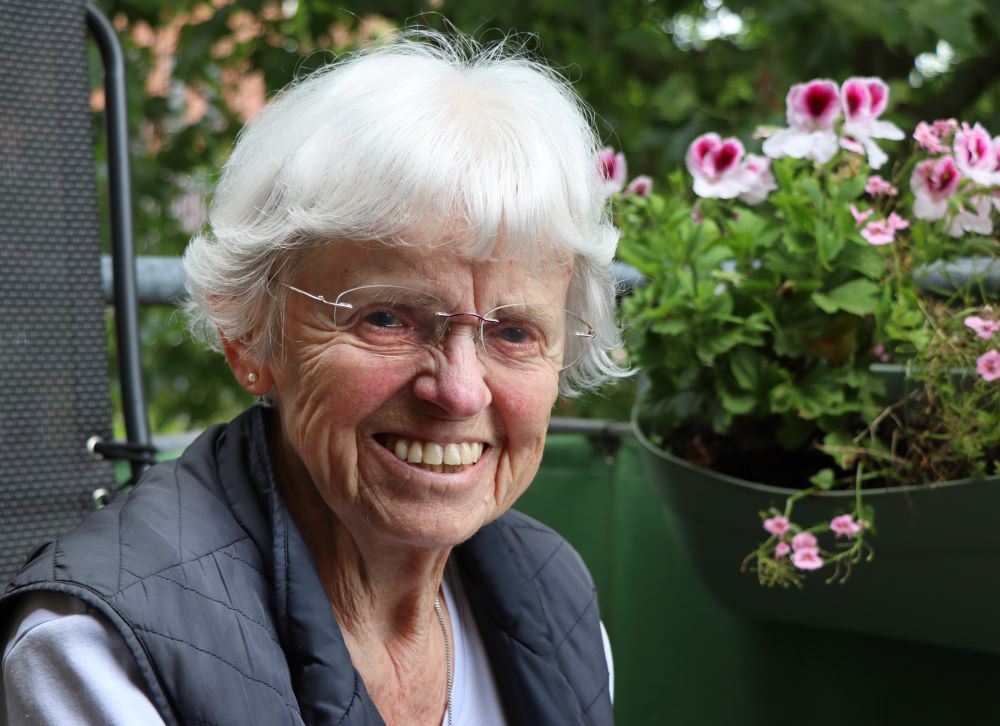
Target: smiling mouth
446 458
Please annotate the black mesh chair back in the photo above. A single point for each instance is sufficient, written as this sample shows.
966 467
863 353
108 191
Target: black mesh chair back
54 392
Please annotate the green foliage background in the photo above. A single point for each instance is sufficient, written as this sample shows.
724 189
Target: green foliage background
656 72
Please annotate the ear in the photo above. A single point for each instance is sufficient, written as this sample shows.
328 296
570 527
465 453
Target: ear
255 378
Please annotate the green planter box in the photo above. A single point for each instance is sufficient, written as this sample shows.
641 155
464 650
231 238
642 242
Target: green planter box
931 579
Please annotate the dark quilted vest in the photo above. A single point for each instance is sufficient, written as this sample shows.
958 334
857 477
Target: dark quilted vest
213 589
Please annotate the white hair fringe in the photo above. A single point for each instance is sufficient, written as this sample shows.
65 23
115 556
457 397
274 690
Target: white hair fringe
488 143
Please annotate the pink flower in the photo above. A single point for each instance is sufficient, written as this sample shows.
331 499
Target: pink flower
757 179
863 101
611 170
860 216
811 109
715 164
975 155
781 550
929 137
879 187
879 351
804 541
932 182
988 365
882 232
984 327
945 127
807 558
878 233
896 222
777 525
844 526
640 186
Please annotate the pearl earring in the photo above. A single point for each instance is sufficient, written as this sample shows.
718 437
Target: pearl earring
251 377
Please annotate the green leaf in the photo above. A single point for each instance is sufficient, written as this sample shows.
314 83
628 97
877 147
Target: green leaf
950 21
810 186
858 297
823 479
849 190
841 448
745 364
736 403
828 243
822 391
708 349
670 327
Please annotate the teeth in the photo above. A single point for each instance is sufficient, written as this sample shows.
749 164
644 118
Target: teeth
433 453
437 457
415 454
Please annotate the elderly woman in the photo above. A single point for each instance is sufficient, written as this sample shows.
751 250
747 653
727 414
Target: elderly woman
409 260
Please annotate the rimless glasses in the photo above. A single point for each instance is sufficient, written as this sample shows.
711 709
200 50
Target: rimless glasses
389 320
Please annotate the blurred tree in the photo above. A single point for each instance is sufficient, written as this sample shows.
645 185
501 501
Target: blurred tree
656 72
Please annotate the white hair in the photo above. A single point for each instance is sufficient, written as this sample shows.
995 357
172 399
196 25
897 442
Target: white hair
491 145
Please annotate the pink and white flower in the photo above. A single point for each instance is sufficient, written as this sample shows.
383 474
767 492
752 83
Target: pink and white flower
804 541
716 165
879 187
781 550
988 365
641 186
844 526
976 155
777 525
863 100
757 179
933 181
984 327
611 170
807 558
978 220
883 231
811 110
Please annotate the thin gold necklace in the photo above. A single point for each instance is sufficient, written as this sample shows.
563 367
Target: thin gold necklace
447 652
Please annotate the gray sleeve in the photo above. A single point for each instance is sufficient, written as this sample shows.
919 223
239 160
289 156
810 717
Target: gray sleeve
63 663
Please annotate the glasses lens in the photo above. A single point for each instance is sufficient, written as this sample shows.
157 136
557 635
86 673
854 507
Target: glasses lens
535 336
390 320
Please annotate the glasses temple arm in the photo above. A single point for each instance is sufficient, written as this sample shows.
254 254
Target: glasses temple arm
320 298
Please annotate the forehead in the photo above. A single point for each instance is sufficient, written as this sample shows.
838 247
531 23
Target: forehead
442 270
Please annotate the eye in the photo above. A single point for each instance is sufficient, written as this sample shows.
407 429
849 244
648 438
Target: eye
514 339
512 333
386 318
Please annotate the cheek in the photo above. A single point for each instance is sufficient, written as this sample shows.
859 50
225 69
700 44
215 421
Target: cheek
531 403
526 412
325 399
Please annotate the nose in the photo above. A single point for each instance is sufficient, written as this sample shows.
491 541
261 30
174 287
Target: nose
455 379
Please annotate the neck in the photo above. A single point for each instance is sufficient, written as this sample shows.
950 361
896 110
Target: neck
382 595
367 576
